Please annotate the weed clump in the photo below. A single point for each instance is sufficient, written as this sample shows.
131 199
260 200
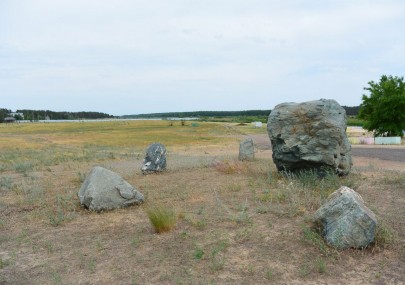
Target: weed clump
314 238
162 218
384 235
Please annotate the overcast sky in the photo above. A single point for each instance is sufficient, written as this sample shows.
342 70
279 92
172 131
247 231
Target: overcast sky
130 57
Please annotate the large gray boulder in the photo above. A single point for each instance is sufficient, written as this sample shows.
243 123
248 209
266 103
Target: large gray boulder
155 159
104 189
345 221
246 150
310 136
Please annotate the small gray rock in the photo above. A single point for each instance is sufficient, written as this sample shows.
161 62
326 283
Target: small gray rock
345 221
155 159
246 150
104 189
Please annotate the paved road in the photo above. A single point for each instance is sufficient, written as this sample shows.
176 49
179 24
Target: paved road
392 153
386 153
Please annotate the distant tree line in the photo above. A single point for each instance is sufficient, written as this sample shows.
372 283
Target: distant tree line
34 115
350 111
198 114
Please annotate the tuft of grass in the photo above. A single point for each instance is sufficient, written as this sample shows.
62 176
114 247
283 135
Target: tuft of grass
6 183
313 180
91 265
56 217
2 224
274 195
49 247
384 235
243 215
313 238
3 263
395 180
269 274
63 210
56 278
198 253
301 192
305 270
235 187
217 262
245 234
218 257
23 167
262 209
320 265
162 218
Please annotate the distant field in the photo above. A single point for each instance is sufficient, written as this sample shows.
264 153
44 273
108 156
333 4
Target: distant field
112 134
237 222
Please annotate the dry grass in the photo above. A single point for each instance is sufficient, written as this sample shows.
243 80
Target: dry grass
237 222
163 219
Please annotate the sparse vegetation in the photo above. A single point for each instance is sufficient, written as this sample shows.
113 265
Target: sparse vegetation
229 166
236 222
314 238
384 235
62 210
6 183
198 253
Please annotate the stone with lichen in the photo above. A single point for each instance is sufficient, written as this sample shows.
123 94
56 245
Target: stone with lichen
155 159
310 136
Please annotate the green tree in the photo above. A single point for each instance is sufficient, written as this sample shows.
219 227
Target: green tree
3 113
384 109
18 117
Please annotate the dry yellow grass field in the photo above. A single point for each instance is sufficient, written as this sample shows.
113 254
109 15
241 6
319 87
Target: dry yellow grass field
237 222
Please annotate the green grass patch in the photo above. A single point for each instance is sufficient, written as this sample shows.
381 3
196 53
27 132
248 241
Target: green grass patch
352 121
